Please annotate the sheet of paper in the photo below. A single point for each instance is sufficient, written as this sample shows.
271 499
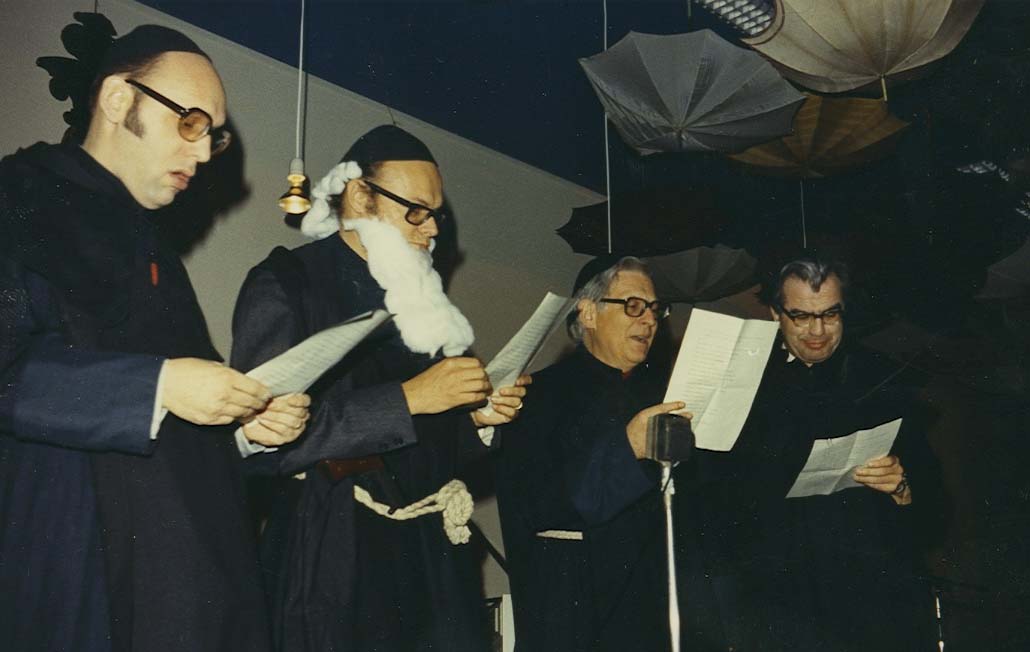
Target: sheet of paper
297 369
717 373
518 353
831 461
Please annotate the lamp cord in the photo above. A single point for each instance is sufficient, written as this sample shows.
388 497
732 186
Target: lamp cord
607 160
300 81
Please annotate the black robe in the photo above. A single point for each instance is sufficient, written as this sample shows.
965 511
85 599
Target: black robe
566 464
108 539
831 573
350 579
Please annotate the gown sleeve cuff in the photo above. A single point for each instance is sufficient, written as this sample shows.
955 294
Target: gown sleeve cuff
160 412
248 447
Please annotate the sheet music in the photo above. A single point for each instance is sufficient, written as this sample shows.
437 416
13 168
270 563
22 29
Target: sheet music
517 354
831 461
717 373
297 369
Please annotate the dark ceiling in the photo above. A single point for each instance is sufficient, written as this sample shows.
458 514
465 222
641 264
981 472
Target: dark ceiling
504 73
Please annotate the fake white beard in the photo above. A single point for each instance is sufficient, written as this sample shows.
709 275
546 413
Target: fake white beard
426 318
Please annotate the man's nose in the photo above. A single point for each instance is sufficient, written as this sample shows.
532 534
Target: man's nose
649 316
202 149
429 228
816 326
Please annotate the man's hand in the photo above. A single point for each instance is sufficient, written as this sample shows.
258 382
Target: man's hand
447 384
207 393
281 422
506 403
636 429
885 474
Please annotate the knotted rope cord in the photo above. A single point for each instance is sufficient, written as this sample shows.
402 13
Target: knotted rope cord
453 499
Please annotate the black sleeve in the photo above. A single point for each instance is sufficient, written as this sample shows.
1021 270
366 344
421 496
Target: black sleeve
565 462
345 422
54 393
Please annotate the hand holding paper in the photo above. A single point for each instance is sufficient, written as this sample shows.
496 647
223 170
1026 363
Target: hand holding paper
887 475
504 405
281 422
831 461
509 365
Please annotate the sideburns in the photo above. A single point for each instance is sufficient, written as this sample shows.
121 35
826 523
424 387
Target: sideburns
371 205
132 121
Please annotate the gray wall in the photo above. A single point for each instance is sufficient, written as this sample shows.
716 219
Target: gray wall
506 211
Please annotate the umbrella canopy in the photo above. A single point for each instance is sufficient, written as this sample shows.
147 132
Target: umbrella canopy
830 135
690 92
702 273
644 223
839 45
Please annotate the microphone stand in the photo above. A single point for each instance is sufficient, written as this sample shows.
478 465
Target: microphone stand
668 490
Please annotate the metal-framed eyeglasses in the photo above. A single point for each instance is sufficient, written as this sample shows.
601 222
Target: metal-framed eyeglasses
417 213
829 317
194 123
635 306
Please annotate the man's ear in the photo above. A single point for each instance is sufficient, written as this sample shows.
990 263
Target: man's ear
114 99
357 199
587 313
774 313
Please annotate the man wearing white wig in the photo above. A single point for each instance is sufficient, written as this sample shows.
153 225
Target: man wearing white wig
366 564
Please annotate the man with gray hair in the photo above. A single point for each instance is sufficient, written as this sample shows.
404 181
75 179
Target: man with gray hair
580 508
831 572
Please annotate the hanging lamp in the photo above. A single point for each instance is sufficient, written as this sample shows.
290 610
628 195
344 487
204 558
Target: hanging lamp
295 201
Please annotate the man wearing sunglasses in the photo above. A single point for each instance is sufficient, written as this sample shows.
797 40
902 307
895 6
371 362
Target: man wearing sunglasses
580 508
392 425
121 520
831 572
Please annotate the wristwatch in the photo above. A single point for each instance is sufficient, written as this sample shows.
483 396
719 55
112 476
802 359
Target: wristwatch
902 486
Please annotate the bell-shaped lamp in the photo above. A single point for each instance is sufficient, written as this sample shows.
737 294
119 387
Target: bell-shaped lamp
295 200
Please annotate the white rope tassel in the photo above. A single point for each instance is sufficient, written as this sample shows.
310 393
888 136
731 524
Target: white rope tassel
453 499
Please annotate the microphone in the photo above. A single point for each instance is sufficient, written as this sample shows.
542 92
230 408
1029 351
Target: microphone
669 438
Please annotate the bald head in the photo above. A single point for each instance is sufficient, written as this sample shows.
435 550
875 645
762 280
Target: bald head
137 138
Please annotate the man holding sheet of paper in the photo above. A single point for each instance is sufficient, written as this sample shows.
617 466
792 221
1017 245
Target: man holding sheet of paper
364 562
809 529
122 523
581 511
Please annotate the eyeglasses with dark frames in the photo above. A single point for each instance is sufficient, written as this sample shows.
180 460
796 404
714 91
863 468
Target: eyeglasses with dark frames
417 213
194 123
830 317
635 306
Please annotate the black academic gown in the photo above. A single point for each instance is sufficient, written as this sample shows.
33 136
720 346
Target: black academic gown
566 464
109 540
831 573
350 579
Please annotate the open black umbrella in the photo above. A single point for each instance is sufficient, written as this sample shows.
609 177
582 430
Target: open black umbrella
690 92
702 273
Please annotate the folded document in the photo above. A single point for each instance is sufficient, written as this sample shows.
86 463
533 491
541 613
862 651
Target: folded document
831 461
298 368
